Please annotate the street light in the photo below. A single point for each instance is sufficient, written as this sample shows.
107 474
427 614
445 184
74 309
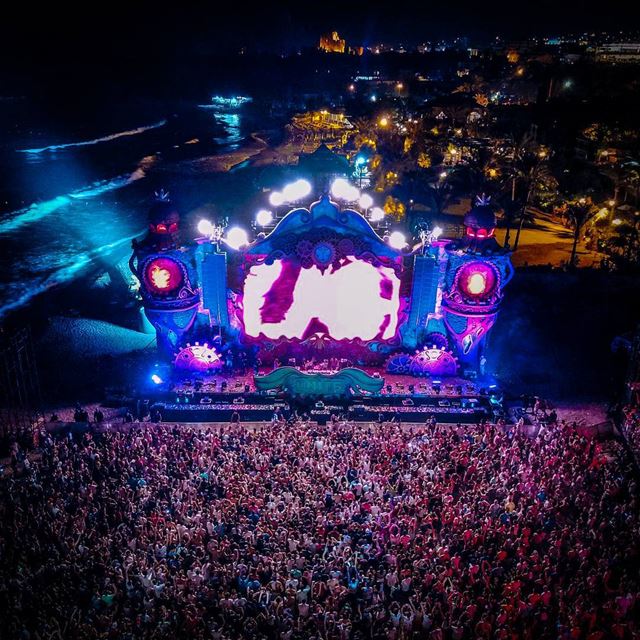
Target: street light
361 167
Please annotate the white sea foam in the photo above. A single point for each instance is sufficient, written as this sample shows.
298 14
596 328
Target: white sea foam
39 210
86 143
64 274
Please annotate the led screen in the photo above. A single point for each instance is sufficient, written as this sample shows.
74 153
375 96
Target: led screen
357 300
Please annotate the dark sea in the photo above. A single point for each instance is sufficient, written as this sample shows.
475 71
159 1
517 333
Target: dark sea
74 191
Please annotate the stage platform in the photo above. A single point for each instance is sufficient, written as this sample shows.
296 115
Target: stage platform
404 398
394 385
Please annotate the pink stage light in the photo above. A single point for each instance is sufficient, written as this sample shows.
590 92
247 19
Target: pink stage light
477 280
358 300
163 275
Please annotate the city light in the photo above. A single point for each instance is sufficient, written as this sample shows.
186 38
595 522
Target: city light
264 217
343 190
156 379
237 238
443 175
616 222
365 201
376 214
384 121
276 198
205 227
397 240
436 233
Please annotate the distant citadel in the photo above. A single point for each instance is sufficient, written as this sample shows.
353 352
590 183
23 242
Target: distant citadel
333 43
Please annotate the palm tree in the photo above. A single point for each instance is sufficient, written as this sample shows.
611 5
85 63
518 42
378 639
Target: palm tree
579 214
537 178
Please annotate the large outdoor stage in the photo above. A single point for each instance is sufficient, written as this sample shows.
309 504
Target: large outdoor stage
330 314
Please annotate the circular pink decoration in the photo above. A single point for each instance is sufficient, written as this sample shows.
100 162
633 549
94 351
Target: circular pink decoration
163 276
477 280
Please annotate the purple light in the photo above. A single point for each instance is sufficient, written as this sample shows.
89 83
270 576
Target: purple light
198 357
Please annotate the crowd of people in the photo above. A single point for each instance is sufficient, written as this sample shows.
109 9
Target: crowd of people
630 424
343 531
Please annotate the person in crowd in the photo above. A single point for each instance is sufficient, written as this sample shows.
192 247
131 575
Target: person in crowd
336 532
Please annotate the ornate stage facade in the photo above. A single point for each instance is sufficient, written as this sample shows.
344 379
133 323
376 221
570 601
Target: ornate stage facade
321 298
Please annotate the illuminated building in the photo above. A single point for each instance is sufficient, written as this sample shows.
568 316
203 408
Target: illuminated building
513 57
619 53
332 43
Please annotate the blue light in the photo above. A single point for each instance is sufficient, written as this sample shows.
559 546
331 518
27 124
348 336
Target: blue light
360 161
156 379
492 386
374 98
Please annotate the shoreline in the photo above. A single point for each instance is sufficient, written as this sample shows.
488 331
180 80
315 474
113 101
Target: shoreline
223 162
51 301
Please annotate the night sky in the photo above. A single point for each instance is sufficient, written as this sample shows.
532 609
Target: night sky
143 30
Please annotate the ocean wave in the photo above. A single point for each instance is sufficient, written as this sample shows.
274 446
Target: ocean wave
39 210
86 143
64 274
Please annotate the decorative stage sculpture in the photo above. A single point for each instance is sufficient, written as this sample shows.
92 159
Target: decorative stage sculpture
323 285
167 275
309 384
478 269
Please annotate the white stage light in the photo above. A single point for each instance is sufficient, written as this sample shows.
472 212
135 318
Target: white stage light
237 237
365 201
276 198
264 217
377 214
397 240
205 227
